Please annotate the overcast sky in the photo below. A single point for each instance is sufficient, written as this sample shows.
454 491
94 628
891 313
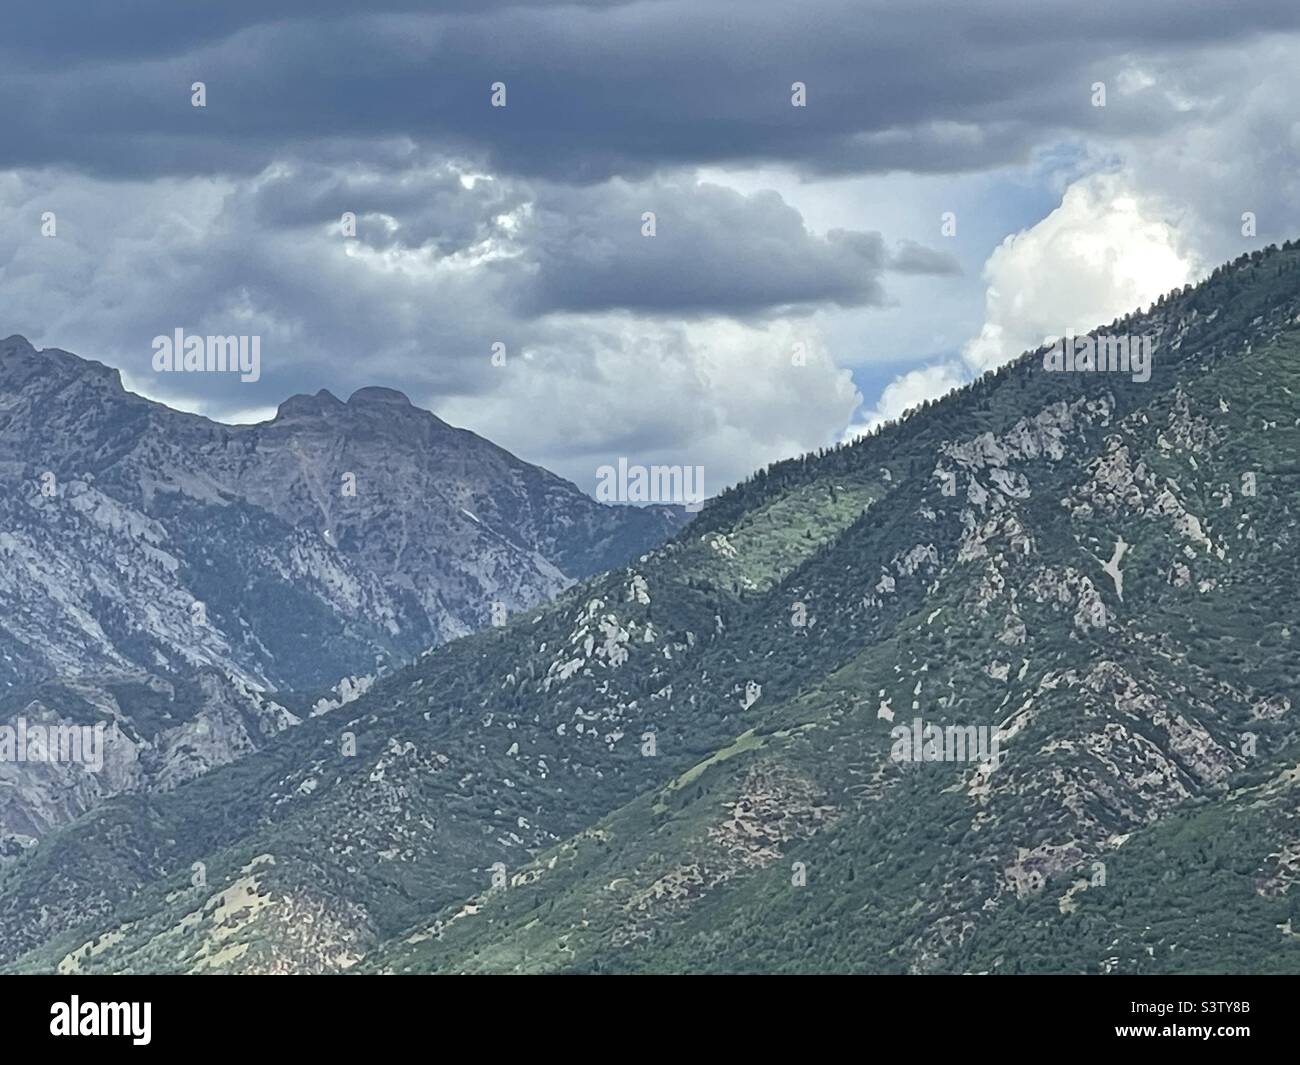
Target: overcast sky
778 229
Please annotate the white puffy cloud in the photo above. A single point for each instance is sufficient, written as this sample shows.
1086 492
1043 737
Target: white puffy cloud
907 391
728 395
1106 250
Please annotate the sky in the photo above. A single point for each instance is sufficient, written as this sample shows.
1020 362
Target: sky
955 181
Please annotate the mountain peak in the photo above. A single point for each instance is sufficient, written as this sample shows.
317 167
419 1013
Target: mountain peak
17 342
373 395
24 362
17 351
305 406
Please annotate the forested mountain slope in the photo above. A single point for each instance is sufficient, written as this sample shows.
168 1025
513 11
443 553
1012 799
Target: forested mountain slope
688 764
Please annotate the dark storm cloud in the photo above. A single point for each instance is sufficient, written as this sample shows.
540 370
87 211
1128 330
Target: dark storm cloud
714 251
594 90
72 31
416 203
562 249
443 264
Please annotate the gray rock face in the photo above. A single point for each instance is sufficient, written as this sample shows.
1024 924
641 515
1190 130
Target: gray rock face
334 539
155 735
160 572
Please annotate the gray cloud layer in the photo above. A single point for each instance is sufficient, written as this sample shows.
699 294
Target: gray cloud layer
594 90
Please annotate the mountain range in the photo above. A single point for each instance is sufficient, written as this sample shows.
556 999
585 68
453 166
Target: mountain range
200 586
702 759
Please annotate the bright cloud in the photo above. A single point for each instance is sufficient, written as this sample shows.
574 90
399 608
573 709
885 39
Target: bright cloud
1104 252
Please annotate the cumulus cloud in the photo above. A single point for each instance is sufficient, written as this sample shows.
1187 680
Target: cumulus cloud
727 395
907 391
713 250
1103 252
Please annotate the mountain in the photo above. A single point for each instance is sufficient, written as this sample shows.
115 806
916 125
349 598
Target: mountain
148 553
332 539
704 761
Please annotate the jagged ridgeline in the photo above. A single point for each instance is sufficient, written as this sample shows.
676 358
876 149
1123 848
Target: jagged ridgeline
694 764
333 539
185 583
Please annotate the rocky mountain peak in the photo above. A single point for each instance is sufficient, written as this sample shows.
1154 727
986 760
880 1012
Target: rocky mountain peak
22 362
16 344
304 406
374 396
365 537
